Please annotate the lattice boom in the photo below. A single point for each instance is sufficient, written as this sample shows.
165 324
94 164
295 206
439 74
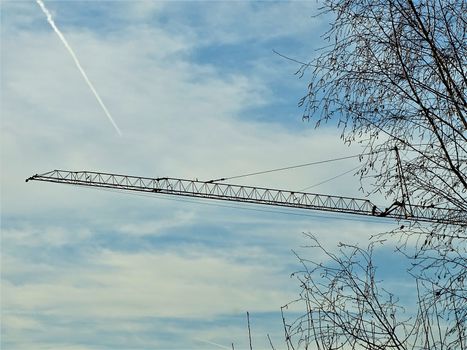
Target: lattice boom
249 194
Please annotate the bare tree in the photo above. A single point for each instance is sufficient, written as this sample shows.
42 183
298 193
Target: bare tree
394 76
394 79
347 308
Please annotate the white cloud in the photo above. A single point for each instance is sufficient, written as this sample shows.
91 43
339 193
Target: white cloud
130 285
154 227
225 22
179 118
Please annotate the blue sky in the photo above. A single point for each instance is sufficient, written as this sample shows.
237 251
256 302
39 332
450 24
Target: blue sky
198 93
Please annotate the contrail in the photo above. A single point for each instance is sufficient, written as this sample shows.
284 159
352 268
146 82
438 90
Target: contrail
83 73
212 343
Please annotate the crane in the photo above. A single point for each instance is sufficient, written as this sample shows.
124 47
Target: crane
216 190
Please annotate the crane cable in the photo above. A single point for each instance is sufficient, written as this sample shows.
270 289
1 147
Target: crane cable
289 167
330 179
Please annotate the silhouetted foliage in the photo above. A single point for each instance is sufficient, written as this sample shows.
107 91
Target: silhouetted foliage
394 78
347 308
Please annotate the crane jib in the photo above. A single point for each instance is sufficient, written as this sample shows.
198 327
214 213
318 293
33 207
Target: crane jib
255 195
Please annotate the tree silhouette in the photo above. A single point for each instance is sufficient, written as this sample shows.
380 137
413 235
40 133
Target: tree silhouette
393 77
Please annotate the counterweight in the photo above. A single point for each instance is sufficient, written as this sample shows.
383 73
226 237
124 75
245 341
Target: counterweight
250 194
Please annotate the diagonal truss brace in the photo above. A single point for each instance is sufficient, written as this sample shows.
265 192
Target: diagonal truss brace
249 194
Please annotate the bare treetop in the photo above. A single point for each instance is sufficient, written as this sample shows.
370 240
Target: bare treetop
394 77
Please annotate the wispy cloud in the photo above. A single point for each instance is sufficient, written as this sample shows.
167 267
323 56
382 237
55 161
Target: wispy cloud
78 64
97 268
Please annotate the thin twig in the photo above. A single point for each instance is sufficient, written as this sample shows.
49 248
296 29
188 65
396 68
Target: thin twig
270 342
249 330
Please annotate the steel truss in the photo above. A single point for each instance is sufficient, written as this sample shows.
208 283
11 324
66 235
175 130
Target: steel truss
256 195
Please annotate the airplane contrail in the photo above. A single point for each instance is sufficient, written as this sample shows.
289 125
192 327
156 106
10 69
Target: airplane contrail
212 343
83 73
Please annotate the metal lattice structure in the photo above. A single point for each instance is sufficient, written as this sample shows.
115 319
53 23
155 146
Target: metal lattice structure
250 194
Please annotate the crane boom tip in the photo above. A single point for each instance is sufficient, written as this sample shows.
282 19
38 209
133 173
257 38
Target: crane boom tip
31 178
